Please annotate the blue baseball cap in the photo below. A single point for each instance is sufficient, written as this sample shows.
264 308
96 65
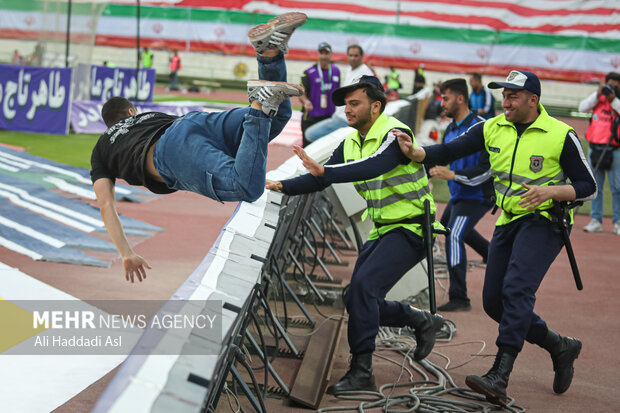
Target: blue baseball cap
340 93
519 79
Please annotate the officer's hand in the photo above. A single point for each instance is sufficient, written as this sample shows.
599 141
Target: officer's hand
442 172
535 196
405 142
134 267
315 168
308 106
273 185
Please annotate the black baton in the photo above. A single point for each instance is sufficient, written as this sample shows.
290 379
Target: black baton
428 231
571 258
562 220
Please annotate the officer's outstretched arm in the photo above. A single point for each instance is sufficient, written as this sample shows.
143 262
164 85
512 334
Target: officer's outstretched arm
415 153
133 263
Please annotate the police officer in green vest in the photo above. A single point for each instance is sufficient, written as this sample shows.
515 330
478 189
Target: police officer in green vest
147 58
535 160
395 189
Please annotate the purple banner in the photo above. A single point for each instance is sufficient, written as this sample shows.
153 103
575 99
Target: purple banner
35 99
86 115
106 82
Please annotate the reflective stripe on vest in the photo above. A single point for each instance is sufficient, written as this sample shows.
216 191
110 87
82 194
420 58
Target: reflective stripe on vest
396 195
532 159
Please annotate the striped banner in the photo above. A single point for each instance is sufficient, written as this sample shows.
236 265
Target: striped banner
562 40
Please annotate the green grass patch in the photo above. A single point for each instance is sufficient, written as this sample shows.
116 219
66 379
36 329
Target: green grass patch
73 149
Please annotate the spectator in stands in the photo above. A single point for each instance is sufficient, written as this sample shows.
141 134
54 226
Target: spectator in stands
471 194
481 100
175 66
17 58
549 166
395 190
604 132
36 58
392 80
319 81
147 58
419 79
221 155
355 70
107 63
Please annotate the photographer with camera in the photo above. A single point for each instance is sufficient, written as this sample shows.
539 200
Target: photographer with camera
603 137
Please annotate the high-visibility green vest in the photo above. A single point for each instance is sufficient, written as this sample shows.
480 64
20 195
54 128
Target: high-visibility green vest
147 59
532 158
396 195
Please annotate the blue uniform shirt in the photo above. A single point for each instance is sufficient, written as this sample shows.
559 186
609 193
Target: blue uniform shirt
472 175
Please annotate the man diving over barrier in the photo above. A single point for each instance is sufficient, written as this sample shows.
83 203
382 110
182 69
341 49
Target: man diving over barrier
222 155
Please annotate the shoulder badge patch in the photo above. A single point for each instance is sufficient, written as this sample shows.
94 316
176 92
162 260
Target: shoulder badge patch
536 163
494 149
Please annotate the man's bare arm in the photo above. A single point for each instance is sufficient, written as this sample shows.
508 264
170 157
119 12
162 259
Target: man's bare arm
134 264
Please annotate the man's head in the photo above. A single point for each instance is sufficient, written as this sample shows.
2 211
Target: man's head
325 54
454 98
115 109
520 97
355 55
475 80
364 100
613 78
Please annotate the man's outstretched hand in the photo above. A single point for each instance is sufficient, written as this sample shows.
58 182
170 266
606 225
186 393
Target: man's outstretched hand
134 267
315 168
415 153
273 185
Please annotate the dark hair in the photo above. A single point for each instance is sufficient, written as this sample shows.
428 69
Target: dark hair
115 109
356 46
612 76
476 76
374 94
457 87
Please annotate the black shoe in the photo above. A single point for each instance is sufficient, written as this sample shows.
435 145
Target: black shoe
493 384
424 325
358 378
564 351
454 305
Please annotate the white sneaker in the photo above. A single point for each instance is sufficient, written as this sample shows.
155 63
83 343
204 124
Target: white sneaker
617 228
593 226
276 32
271 94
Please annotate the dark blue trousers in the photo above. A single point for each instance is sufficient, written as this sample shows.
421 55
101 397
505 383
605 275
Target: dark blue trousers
381 263
520 254
461 216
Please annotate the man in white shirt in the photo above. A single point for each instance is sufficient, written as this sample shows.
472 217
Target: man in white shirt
355 70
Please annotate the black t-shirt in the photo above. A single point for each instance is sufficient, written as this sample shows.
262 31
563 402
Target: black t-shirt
121 151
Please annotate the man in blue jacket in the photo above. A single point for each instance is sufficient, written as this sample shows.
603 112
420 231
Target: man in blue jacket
471 194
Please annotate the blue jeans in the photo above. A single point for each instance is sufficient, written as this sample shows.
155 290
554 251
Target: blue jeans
324 127
614 184
223 155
